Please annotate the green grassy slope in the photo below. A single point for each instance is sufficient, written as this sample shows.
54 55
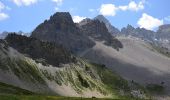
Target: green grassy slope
10 89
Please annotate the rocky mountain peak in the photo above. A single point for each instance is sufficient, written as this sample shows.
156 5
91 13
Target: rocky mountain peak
109 27
60 21
166 26
130 27
98 31
84 21
61 29
101 18
163 32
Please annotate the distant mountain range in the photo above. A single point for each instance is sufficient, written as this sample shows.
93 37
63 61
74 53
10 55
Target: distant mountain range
163 33
4 34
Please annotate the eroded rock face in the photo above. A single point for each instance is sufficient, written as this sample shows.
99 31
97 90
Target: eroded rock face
110 28
164 32
98 31
61 29
43 52
138 32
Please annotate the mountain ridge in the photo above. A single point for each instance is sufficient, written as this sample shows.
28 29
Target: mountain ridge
61 29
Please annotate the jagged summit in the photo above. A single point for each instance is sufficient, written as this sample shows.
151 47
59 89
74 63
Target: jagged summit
101 18
61 29
142 33
110 28
163 32
84 21
98 31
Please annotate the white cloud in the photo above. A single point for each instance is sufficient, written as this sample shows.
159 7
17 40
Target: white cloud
108 9
167 18
111 9
149 22
78 19
58 2
133 6
24 2
3 16
136 7
124 8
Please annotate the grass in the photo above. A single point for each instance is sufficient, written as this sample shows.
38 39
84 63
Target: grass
26 71
10 89
112 80
155 88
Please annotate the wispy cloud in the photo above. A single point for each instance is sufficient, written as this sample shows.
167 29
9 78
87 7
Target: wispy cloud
3 15
24 2
2 6
58 2
111 9
92 10
149 22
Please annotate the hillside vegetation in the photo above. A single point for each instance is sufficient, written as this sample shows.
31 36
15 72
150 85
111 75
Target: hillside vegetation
75 78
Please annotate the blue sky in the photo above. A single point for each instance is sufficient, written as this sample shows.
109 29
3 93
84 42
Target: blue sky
25 15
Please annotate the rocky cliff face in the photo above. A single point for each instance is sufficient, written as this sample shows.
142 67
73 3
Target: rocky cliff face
138 32
109 27
163 32
3 35
98 31
44 52
74 37
61 29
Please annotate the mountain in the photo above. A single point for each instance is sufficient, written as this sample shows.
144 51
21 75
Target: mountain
98 31
137 61
109 27
138 32
45 52
128 31
61 29
64 58
21 72
3 35
76 38
163 32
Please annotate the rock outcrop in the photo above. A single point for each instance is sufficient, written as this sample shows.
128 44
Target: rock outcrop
99 32
113 30
61 29
44 52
